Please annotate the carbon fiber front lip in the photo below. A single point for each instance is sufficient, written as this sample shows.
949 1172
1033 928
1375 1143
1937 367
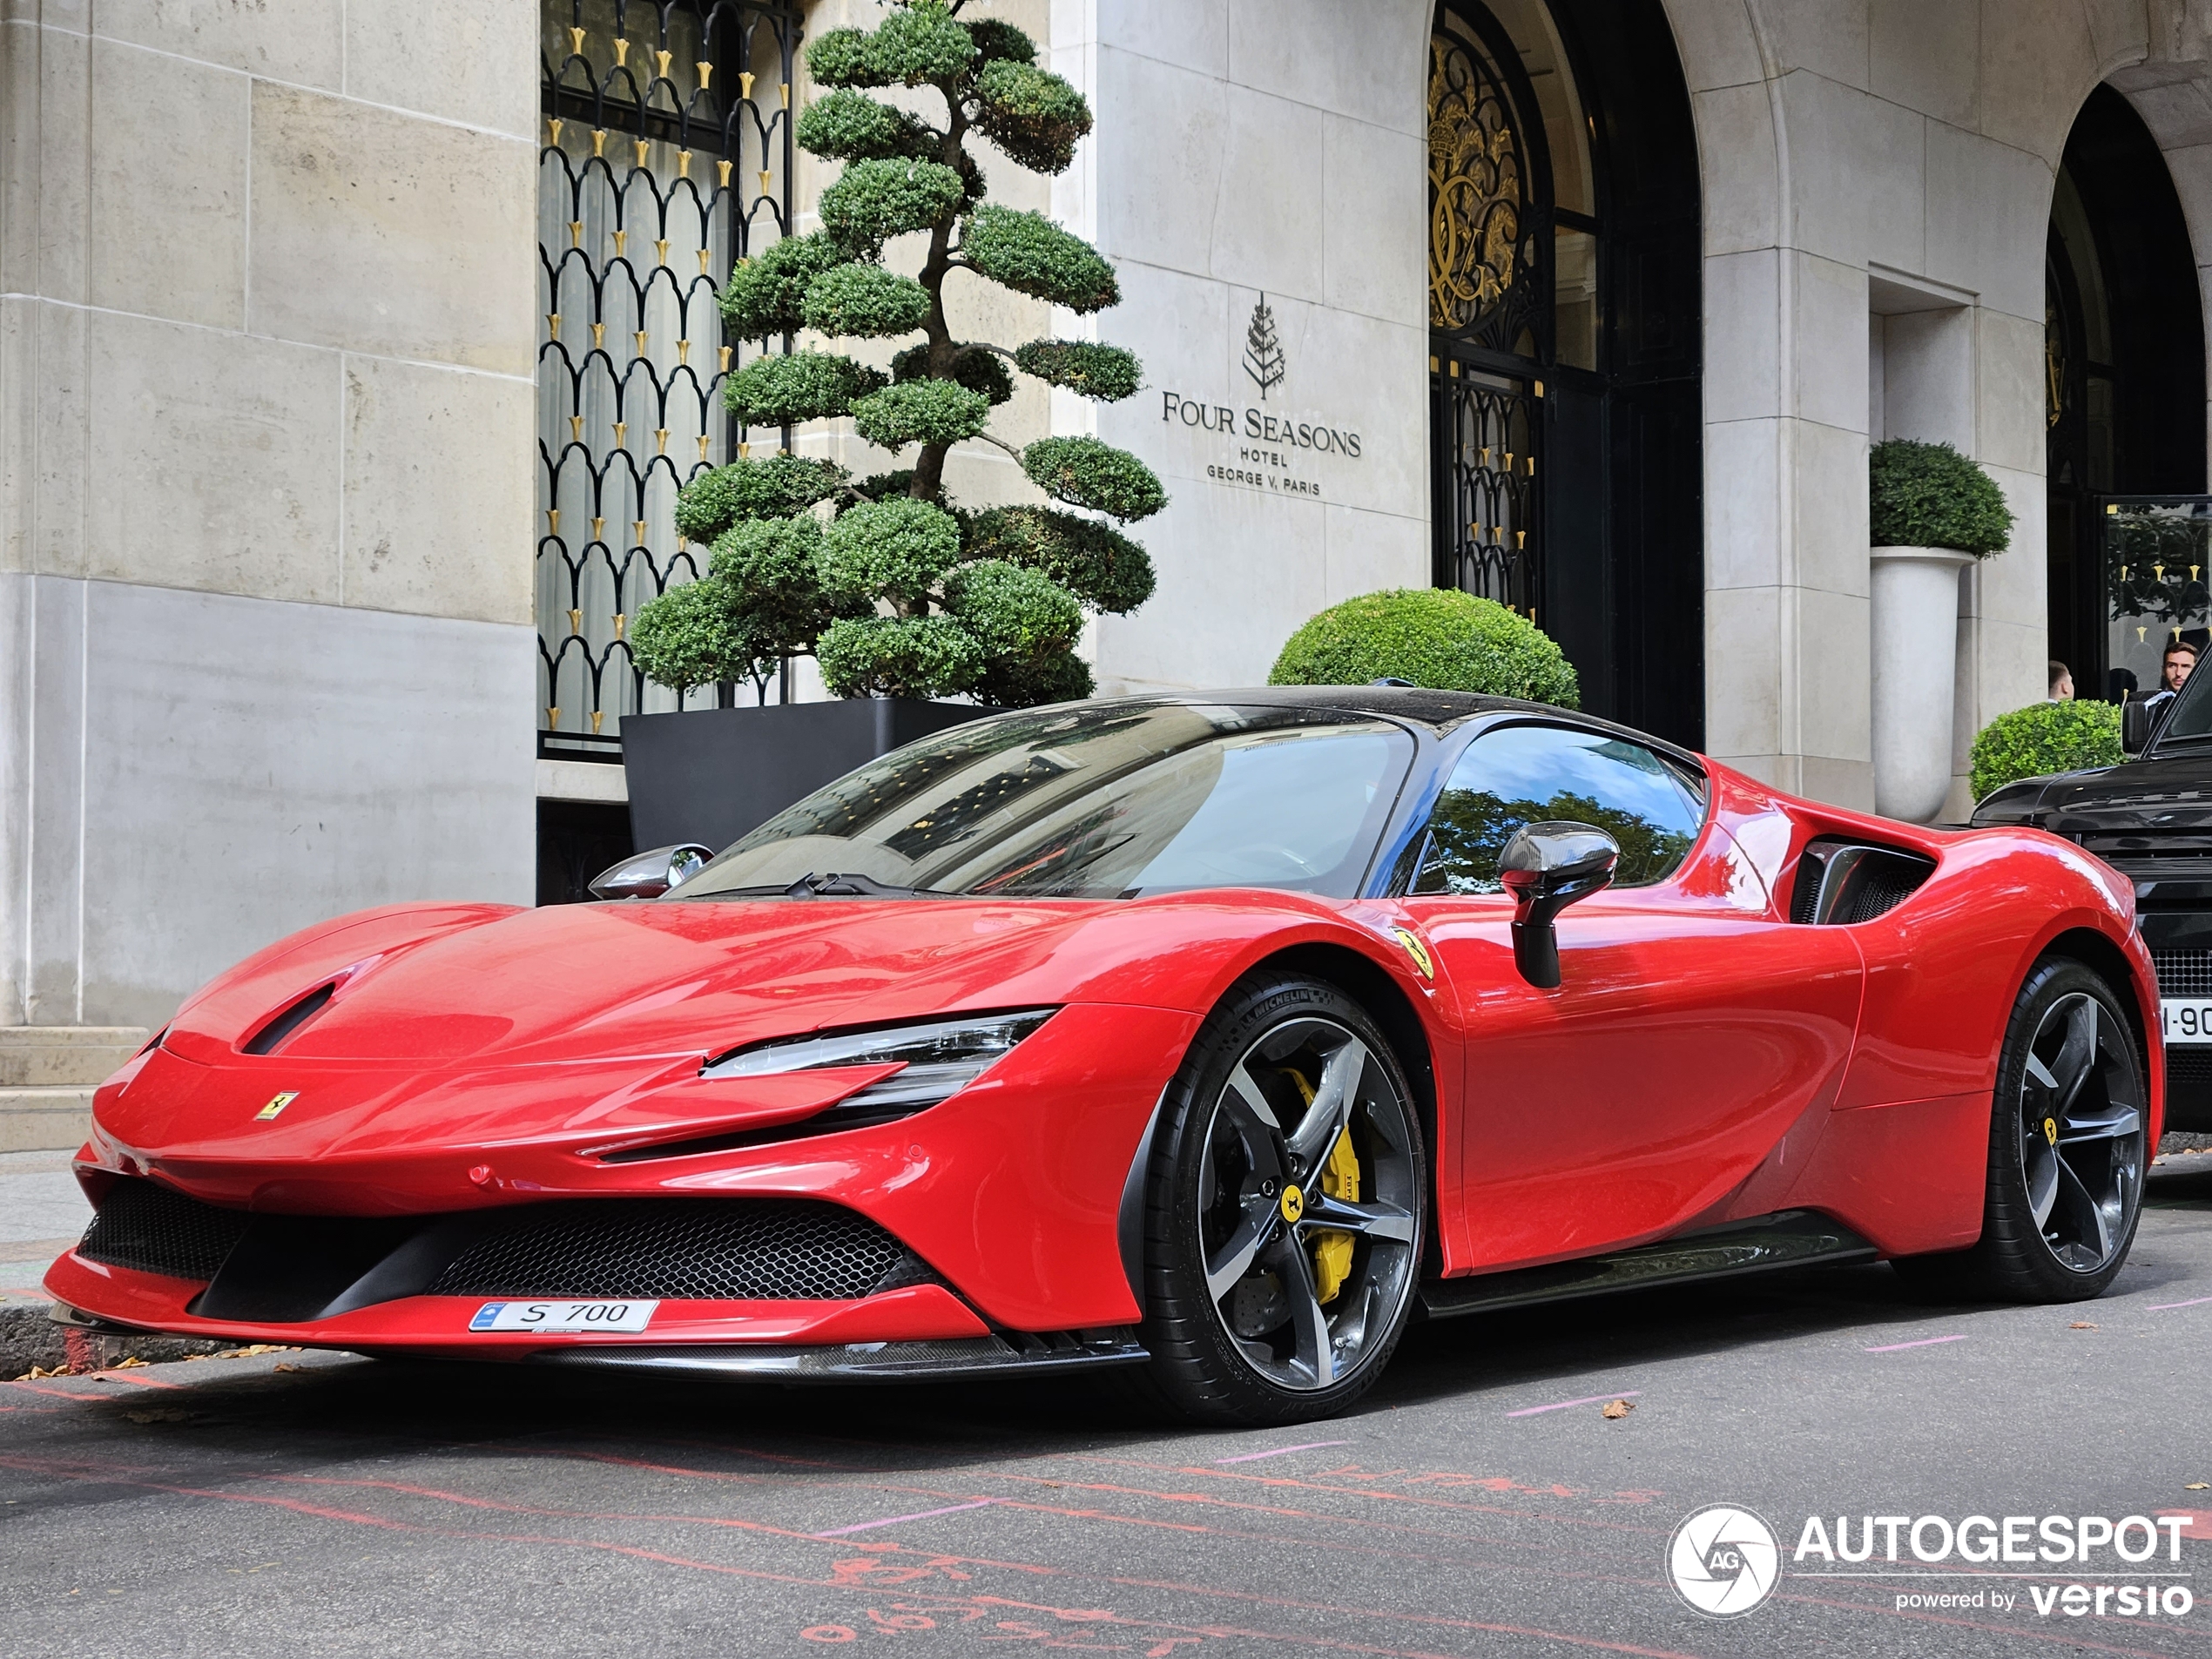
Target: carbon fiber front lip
863 1361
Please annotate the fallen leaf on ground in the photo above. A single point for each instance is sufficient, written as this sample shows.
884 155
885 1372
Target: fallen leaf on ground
2081 1325
126 1363
39 1374
289 1367
252 1351
2198 1485
1617 1408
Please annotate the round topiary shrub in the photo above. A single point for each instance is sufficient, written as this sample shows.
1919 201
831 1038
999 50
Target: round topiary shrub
1438 637
1928 494
2043 739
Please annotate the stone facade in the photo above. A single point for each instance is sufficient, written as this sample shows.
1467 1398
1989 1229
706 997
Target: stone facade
1877 184
1877 179
266 326
266 344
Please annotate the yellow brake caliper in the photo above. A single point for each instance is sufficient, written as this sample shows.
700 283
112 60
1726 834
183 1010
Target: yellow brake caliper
1339 1179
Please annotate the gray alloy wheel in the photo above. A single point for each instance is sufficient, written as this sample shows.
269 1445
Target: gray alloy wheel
2068 1147
2080 1128
1287 1209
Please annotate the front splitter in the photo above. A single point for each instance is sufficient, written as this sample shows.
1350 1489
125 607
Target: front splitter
989 1356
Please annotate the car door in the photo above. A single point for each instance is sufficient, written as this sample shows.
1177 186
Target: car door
1693 1029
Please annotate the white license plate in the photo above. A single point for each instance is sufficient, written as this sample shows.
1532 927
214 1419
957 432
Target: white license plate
2185 1019
563 1317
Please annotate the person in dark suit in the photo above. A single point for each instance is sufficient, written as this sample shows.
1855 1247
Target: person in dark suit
2173 670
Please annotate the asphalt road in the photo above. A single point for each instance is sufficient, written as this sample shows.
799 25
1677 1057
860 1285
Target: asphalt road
309 1503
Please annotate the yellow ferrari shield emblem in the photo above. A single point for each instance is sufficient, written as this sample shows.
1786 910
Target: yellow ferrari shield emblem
1418 951
2051 1130
277 1103
1293 1203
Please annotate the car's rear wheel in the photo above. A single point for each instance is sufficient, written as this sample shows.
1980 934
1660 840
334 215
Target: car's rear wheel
1286 1207
2067 1148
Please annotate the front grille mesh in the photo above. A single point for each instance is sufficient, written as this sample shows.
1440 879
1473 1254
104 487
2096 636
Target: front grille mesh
731 1248
2183 973
2189 1066
154 1229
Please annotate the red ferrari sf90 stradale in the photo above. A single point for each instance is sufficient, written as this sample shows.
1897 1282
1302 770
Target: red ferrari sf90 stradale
1216 1036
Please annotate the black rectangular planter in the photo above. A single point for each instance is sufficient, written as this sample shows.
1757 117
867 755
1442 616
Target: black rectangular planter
709 775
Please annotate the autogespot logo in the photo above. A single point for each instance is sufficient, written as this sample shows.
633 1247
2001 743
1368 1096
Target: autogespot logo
1723 1560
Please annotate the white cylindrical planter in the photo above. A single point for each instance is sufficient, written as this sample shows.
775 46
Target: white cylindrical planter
1916 649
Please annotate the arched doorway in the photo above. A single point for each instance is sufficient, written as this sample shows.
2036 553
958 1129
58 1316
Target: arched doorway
1565 350
2123 382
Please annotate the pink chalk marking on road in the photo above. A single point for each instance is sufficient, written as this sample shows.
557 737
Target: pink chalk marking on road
865 1526
2194 1301
1924 1342
1280 1450
1592 1400
131 1376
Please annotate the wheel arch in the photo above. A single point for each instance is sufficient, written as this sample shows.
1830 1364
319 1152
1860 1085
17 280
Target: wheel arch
2109 963
1372 987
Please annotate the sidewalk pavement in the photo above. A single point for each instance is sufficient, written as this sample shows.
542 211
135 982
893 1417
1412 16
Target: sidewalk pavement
41 1214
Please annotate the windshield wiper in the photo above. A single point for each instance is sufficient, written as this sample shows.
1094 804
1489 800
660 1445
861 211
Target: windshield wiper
834 886
811 885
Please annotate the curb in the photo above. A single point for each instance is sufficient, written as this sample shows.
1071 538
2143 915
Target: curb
30 1339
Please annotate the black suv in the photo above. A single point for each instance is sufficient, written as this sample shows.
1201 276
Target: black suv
2150 817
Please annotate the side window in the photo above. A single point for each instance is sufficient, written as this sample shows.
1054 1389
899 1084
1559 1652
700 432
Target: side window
1526 774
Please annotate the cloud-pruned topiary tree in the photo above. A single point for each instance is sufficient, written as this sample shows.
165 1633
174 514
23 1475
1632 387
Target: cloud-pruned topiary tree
894 587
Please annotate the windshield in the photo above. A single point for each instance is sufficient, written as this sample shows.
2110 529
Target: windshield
1102 801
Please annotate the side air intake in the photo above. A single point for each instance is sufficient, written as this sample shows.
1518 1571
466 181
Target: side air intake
1842 883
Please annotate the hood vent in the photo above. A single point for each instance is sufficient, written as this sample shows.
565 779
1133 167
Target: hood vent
266 1040
1842 883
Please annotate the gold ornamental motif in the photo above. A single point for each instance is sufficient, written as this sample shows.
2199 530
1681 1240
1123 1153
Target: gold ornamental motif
1475 187
678 198
2054 365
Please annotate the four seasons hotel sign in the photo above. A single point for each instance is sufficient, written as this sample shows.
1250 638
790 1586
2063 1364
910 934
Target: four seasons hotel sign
1262 450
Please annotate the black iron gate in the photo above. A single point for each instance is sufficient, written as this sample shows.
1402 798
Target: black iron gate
1565 419
1490 312
667 155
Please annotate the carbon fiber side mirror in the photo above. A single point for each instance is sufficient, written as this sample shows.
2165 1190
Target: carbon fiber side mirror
1546 868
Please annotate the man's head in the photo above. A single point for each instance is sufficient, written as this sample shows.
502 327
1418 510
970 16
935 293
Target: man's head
2061 684
2181 658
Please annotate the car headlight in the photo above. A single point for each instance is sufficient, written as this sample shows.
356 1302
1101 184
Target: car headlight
937 1060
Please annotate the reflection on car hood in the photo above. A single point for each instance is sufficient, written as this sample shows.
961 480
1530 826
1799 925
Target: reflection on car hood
2153 795
576 981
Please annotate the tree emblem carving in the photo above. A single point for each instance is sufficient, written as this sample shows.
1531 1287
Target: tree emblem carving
1264 359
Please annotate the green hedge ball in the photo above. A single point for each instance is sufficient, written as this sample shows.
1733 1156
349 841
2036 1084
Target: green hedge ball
2043 739
1438 637
1928 494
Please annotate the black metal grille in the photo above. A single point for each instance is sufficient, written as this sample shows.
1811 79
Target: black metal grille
666 156
1878 890
732 1249
2183 973
1490 310
1487 428
2189 1067
156 1230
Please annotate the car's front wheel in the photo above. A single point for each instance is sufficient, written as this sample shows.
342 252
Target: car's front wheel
2067 1148
1286 1204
